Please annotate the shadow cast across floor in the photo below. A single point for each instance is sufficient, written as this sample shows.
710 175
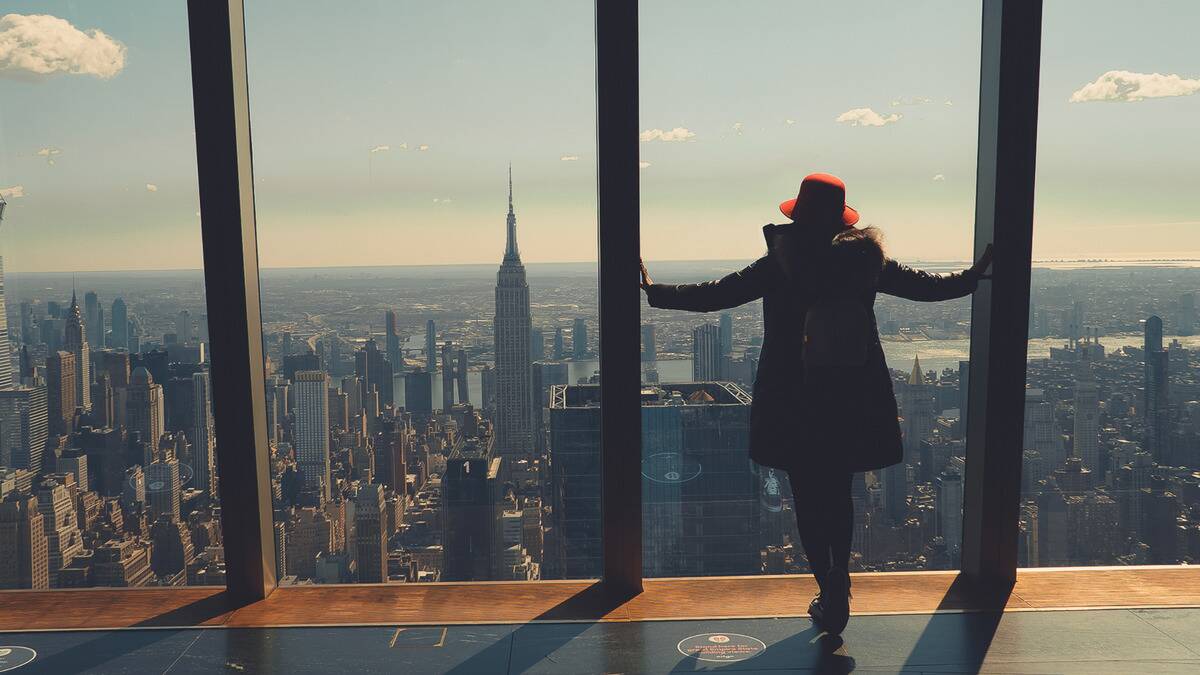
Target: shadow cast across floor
158 638
961 629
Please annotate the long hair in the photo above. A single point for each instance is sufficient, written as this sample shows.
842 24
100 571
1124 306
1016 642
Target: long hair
853 263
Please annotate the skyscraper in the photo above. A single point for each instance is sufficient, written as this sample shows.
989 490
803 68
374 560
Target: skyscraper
24 419
701 499
579 339
27 332
374 371
1075 323
725 332
469 501
119 316
75 341
949 489
63 539
464 393
392 344
964 387
24 561
203 442
92 319
511 332
164 486
706 353
370 525
430 346
537 344
183 327
1187 314
145 410
649 343
917 405
172 550
6 378
1041 431
1155 402
545 375
560 350
60 391
1087 417
418 392
487 385
312 431
447 376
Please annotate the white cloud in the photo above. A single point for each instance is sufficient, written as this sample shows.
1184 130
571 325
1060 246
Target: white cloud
40 45
643 164
949 102
1122 85
442 200
422 148
913 100
151 187
380 148
789 122
49 153
939 177
865 117
737 127
676 135
12 192
570 158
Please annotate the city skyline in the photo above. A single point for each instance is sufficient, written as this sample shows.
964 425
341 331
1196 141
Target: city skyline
1099 474
127 167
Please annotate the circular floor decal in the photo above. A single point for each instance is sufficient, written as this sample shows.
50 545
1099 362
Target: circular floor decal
670 467
721 647
12 658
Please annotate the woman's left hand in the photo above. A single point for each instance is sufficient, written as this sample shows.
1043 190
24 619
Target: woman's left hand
978 270
647 282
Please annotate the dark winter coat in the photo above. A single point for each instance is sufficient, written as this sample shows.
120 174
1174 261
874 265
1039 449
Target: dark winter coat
865 433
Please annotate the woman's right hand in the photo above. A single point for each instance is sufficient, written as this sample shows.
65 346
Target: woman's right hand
647 282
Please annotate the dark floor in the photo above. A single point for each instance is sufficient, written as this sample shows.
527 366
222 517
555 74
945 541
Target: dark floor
1101 641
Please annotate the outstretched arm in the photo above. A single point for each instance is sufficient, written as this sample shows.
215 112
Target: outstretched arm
732 290
905 282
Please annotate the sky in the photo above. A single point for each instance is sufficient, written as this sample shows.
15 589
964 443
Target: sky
382 132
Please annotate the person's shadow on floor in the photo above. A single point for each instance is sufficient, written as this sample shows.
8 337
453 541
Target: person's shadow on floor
810 650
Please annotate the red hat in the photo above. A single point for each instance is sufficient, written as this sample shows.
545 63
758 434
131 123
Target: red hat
820 194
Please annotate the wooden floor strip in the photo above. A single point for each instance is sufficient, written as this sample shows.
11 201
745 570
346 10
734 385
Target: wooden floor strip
661 599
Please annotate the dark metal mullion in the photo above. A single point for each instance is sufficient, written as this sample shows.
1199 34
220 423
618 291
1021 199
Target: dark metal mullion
1008 101
620 297
221 101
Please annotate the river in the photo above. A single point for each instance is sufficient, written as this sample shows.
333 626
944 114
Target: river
934 355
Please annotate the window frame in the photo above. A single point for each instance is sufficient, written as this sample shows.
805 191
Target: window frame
1010 61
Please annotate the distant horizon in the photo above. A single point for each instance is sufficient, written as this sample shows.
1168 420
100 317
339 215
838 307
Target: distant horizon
1101 262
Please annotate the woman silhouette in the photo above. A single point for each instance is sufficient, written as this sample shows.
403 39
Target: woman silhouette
823 404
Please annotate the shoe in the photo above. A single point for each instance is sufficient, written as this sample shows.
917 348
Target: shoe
816 611
835 601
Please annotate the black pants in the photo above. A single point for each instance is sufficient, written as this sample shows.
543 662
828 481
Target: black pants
825 517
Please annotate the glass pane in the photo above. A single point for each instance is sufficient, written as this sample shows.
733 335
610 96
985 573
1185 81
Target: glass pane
1111 450
739 102
107 463
418 303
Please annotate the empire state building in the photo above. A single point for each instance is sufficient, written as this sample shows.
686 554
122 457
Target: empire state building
512 326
